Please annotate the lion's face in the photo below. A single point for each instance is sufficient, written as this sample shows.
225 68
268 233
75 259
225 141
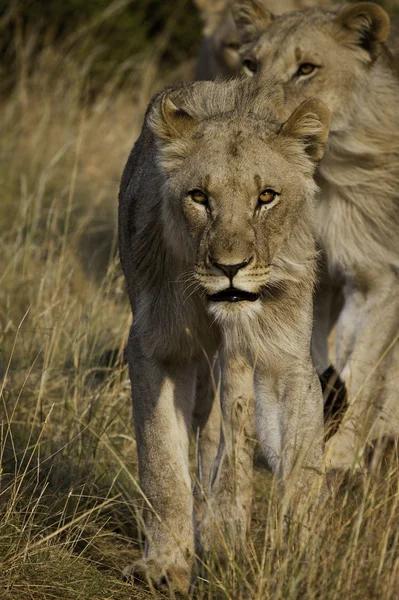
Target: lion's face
319 53
233 193
237 195
311 66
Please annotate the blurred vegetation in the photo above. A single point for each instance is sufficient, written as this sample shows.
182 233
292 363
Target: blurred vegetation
104 33
70 507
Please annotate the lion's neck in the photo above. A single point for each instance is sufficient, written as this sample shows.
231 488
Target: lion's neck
371 133
359 179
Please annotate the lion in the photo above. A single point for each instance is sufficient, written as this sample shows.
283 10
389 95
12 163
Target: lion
344 56
218 251
219 51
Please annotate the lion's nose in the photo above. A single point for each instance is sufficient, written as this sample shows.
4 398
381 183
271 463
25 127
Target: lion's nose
230 270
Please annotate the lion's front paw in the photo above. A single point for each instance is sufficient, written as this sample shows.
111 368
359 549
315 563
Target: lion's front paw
162 576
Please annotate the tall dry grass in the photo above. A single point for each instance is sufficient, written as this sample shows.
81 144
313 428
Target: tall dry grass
70 505
66 440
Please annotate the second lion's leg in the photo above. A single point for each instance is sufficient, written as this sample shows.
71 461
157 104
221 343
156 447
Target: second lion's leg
367 337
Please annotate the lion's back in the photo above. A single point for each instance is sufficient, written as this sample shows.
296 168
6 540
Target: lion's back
137 194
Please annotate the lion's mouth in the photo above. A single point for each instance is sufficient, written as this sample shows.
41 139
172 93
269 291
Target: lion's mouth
232 294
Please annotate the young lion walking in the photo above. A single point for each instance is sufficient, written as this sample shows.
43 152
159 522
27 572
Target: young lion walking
217 246
343 56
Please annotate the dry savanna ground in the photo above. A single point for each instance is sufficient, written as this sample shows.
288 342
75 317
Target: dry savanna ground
70 503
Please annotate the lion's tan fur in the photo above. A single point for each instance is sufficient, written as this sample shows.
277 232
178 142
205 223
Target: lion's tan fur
227 139
358 211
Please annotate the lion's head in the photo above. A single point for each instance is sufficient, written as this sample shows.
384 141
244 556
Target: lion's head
319 53
219 54
237 185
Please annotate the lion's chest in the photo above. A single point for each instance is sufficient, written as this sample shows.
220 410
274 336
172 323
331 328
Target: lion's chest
335 226
357 206
345 232
350 230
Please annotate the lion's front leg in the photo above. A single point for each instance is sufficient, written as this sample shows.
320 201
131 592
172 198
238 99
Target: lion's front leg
207 422
289 418
369 321
162 406
228 510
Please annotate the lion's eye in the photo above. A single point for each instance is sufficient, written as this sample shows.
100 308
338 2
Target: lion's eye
306 69
267 196
198 196
250 64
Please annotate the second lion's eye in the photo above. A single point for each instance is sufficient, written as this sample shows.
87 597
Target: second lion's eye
267 196
306 69
198 196
250 64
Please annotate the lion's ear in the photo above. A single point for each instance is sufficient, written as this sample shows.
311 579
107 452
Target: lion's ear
251 18
309 123
368 23
169 121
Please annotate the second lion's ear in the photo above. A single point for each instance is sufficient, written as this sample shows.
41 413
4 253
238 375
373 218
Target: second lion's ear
367 24
310 124
169 121
251 18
